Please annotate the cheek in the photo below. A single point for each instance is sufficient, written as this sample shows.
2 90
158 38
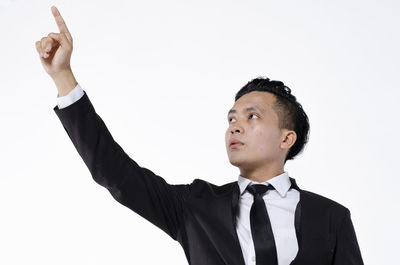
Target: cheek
265 139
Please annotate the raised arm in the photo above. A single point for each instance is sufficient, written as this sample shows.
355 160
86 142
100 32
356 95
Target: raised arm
138 188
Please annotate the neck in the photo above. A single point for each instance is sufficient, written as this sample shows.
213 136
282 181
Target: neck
261 174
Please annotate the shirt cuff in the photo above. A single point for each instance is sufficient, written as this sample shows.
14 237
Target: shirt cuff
73 96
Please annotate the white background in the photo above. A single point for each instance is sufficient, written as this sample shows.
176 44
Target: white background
162 75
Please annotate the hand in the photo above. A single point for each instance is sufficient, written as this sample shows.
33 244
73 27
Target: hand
55 50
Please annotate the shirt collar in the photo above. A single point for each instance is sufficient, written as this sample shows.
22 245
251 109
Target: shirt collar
281 183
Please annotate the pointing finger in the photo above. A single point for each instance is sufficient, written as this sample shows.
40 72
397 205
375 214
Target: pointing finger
60 23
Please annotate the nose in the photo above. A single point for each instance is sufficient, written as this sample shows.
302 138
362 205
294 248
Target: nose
235 129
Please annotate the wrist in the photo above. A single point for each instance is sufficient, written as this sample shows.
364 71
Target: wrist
65 82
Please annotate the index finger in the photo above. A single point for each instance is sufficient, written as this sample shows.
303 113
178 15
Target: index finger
60 22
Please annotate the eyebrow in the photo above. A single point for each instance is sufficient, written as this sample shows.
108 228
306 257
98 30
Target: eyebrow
248 109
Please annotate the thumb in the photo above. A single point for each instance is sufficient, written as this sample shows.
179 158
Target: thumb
62 39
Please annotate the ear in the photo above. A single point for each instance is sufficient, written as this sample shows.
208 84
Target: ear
288 139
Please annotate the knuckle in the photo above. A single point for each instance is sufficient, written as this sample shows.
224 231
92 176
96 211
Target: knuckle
49 41
43 41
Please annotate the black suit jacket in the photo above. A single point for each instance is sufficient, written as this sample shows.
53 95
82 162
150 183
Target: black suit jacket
202 216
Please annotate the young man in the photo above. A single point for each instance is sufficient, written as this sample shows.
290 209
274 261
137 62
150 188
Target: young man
264 218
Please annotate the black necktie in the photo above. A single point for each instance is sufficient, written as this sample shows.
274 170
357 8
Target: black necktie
261 230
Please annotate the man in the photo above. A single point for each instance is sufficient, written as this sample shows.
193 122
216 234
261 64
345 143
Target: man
264 218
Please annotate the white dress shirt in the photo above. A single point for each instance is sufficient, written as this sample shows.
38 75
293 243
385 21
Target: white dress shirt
281 205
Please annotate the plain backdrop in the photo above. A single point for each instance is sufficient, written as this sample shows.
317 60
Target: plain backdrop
163 75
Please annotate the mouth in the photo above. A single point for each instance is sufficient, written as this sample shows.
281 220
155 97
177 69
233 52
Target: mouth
235 144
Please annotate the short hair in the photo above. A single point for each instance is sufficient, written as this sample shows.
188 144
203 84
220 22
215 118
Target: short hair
290 112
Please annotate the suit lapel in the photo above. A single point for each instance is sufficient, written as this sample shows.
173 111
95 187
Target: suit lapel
307 225
298 219
234 204
297 215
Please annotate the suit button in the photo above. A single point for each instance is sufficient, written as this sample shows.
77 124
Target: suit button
253 259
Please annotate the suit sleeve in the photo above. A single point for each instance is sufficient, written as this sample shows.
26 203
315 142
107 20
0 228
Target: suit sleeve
347 251
138 188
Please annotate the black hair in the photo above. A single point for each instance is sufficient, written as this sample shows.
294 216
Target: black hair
290 112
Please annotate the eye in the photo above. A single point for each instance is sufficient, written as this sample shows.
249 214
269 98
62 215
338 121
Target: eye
253 115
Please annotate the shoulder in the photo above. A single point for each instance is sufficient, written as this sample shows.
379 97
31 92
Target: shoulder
203 188
323 205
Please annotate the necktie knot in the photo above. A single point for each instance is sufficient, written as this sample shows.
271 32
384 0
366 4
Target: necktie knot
259 189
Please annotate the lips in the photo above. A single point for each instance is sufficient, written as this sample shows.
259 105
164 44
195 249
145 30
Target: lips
235 143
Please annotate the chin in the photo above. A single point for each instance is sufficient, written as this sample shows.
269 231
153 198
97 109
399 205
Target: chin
237 162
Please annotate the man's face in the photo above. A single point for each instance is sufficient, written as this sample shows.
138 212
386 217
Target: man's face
253 122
